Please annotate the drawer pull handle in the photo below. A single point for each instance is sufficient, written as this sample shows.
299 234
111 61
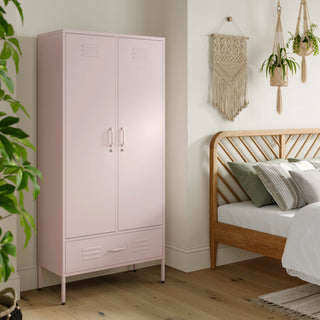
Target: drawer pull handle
117 250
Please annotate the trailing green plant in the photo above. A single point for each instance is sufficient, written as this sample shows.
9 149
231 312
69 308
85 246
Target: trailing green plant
16 172
310 38
280 60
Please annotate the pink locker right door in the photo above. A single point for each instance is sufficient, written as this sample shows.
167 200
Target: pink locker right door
140 134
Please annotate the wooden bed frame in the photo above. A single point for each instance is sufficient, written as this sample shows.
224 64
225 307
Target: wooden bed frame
250 146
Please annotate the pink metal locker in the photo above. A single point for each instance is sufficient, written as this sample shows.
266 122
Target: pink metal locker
101 151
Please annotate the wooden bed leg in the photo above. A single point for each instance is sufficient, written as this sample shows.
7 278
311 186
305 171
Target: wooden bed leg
213 254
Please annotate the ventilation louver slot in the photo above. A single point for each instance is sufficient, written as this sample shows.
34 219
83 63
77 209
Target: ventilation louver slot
89 50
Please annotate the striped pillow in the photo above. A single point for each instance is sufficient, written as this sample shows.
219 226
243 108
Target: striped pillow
278 181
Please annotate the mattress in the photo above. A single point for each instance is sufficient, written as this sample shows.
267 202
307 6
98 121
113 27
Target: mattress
268 219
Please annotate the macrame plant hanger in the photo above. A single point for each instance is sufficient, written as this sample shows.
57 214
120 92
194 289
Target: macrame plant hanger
276 80
304 48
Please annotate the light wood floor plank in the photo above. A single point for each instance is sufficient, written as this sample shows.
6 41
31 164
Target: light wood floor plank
221 294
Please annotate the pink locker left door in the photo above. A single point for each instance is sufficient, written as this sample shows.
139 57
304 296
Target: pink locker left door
90 162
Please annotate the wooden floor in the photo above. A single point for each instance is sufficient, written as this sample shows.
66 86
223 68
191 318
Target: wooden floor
221 294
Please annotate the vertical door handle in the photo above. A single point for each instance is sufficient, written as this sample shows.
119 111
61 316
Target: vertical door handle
110 137
121 137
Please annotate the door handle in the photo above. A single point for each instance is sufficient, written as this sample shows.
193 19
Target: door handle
110 137
121 137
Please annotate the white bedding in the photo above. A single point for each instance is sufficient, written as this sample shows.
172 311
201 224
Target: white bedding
268 219
301 255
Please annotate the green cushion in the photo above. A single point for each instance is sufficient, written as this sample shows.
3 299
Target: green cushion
250 182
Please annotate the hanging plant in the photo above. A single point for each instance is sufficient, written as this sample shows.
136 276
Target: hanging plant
304 41
304 45
278 64
277 67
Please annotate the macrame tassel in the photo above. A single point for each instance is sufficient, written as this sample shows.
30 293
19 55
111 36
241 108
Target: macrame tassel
279 101
304 69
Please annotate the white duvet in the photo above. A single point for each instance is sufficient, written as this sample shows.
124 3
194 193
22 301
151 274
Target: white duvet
301 255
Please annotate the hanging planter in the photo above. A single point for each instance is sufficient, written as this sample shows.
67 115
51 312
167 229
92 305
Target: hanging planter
278 64
277 79
304 42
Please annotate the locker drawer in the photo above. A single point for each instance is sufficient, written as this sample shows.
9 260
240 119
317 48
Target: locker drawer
97 253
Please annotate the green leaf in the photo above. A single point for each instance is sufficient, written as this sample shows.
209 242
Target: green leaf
21 199
4 24
14 132
25 221
7 189
8 121
6 51
21 151
10 31
7 80
8 204
16 60
16 105
36 187
9 249
7 146
3 66
26 143
6 267
7 238
23 182
35 171
18 6
15 42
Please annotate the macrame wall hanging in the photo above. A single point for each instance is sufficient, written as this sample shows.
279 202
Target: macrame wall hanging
229 77
304 47
279 78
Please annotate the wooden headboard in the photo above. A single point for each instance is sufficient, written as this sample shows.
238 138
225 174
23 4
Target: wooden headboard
253 146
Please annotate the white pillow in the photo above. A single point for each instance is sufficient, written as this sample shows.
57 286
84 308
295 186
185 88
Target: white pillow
278 181
308 182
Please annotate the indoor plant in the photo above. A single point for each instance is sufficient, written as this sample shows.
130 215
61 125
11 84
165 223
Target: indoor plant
306 43
277 66
16 172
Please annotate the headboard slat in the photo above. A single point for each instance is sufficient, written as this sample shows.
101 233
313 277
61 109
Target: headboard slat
297 140
311 147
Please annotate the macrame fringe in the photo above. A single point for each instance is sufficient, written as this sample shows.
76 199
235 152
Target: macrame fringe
279 101
295 315
230 100
304 69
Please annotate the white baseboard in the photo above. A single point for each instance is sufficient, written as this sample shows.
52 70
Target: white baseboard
28 275
189 260
13 282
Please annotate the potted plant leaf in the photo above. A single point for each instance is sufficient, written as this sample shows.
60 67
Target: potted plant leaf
277 66
16 172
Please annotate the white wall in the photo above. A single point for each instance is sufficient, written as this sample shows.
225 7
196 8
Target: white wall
300 101
143 17
175 31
